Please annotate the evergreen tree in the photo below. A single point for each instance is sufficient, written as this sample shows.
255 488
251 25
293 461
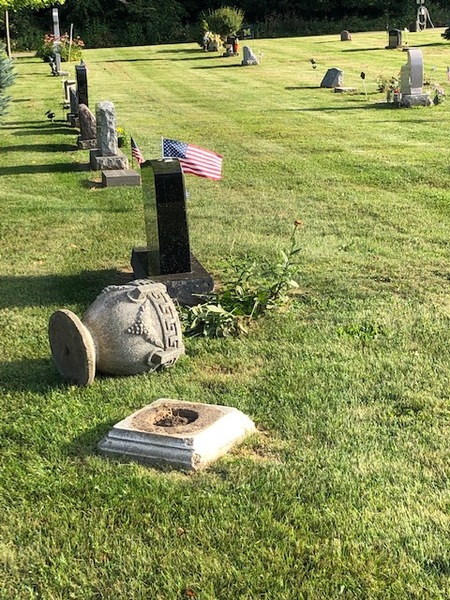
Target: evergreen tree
7 77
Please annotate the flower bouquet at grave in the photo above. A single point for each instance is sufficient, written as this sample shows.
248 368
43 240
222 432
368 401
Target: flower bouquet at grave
389 85
46 49
438 94
122 137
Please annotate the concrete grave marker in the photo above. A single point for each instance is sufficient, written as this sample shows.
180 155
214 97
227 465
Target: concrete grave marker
167 257
249 57
88 129
107 156
411 81
333 78
346 36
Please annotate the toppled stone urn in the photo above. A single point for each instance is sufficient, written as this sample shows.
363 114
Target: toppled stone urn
128 329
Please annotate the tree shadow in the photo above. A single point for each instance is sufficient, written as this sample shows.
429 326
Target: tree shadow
50 168
40 148
43 290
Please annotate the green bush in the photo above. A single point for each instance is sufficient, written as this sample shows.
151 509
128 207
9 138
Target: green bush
224 21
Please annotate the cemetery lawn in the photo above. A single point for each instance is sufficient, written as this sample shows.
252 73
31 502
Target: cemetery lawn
344 493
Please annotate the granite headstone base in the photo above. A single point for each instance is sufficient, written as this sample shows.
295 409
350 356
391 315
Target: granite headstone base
107 163
183 287
415 100
120 177
86 144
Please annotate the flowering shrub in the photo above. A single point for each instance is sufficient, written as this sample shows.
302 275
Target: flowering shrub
46 49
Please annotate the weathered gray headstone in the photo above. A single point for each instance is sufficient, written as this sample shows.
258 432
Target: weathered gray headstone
346 36
411 81
88 129
249 57
333 78
106 128
107 156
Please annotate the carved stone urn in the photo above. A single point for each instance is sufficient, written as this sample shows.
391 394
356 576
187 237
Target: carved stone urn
128 329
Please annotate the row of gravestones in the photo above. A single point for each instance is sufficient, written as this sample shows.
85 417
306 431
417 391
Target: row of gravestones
98 133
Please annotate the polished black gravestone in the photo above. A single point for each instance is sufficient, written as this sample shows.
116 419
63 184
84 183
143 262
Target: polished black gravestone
167 257
82 84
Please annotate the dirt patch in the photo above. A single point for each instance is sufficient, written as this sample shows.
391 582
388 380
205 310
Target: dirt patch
176 417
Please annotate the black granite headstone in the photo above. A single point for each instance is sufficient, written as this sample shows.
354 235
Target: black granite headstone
395 38
82 84
167 257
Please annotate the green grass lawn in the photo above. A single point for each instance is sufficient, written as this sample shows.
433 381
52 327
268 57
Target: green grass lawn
345 491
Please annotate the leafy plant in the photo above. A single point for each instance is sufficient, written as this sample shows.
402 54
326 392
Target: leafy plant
67 51
250 292
438 94
224 21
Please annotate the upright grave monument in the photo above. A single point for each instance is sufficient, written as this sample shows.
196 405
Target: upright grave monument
82 83
56 38
87 140
395 39
411 81
333 78
107 156
249 57
167 257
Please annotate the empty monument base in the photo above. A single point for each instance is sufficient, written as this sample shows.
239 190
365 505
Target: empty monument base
120 177
107 163
181 435
415 100
345 90
183 287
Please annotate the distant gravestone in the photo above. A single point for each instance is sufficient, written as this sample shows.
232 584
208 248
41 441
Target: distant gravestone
333 78
395 39
107 156
411 81
82 84
249 57
167 258
346 36
88 128
72 116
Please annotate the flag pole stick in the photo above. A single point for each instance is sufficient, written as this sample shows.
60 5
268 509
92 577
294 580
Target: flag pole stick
162 147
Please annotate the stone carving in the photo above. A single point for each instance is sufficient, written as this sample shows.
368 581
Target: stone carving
88 128
411 80
127 330
333 78
249 57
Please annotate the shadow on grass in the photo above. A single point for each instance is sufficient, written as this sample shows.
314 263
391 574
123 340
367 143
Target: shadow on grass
303 87
181 51
365 49
29 375
61 290
85 444
40 148
236 65
126 60
21 100
51 168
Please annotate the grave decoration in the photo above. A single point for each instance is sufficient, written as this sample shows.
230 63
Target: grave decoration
167 257
411 81
129 329
182 435
249 57
107 156
333 78
231 46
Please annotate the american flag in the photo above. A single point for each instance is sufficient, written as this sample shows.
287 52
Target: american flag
136 153
193 159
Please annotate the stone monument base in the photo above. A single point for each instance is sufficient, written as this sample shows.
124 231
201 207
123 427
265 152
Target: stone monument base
345 90
183 287
73 120
120 177
107 163
183 435
86 144
415 100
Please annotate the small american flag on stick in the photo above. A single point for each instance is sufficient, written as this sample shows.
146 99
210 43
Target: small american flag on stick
136 153
194 160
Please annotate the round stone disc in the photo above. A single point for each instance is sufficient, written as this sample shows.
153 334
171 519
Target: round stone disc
72 347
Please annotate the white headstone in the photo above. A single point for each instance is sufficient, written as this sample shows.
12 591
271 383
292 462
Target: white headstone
249 57
411 74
